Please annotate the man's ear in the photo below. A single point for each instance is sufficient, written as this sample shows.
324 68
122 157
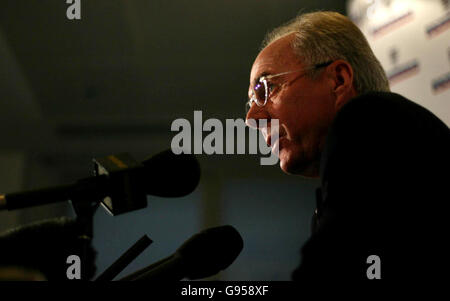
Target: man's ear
341 73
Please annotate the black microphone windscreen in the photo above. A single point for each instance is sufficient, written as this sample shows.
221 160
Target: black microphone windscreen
171 175
211 251
45 246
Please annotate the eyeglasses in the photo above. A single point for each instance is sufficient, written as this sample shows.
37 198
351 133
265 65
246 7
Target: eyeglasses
262 89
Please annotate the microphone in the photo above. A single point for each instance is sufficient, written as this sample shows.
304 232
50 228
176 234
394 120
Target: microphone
120 183
171 175
203 255
44 246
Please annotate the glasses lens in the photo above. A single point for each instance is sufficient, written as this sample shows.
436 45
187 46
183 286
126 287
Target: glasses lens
260 93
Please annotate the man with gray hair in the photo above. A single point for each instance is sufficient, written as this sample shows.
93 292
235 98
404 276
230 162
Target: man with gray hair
382 159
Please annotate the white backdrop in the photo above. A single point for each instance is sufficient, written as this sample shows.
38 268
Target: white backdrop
411 38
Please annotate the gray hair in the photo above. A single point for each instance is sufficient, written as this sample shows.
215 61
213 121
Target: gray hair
326 36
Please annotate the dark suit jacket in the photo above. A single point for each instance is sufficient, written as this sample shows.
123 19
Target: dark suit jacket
384 189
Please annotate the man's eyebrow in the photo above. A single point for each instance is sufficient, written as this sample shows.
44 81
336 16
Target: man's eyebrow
264 73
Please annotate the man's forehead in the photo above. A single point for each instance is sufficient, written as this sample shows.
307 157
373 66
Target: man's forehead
273 57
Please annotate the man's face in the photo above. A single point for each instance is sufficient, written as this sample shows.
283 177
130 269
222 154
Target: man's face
305 107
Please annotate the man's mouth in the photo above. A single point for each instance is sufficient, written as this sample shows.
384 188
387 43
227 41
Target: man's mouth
273 138
274 143
270 142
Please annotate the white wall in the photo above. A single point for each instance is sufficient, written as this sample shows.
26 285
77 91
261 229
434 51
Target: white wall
411 38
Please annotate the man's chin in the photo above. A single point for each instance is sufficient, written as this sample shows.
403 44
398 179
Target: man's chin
292 167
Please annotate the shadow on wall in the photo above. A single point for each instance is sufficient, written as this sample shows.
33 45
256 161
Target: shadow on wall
274 219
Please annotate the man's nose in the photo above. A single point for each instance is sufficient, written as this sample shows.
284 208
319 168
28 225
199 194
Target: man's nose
255 114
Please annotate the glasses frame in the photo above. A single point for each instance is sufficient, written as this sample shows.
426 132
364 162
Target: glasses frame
263 80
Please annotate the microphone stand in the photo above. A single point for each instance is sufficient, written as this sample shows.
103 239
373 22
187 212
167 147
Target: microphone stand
118 177
126 258
86 205
85 210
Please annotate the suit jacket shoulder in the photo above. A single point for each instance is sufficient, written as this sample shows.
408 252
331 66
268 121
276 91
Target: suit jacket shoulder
384 170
